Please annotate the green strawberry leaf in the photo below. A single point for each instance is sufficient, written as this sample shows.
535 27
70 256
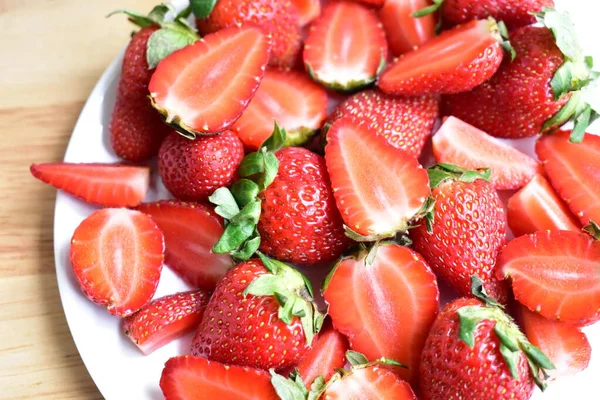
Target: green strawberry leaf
159 12
165 41
244 191
248 248
442 172
202 8
428 10
156 16
356 358
233 238
226 205
561 25
593 229
251 165
277 139
288 389
271 164
264 285
250 214
479 292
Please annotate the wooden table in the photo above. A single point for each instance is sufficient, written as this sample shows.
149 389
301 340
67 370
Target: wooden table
52 53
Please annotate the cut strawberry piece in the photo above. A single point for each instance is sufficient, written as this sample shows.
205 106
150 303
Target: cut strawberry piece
117 257
191 230
555 273
196 378
405 292
403 31
165 319
574 171
378 188
292 99
455 61
536 207
308 10
459 143
346 47
204 88
109 185
370 383
565 345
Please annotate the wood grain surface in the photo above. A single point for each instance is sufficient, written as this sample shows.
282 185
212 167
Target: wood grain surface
52 53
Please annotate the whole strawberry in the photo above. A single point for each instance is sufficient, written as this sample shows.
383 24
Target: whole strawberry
260 315
467 232
193 169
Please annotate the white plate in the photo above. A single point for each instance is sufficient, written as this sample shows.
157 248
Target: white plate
119 370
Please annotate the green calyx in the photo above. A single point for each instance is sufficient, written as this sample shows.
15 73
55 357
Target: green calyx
593 229
435 7
440 173
202 8
500 32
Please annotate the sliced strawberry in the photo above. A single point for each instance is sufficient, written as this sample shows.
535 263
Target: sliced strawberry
565 345
555 273
455 61
117 257
459 143
196 378
346 47
403 31
165 319
385 308
378 188
574 171
370 383
308 10
191 230
292 99
536 207
204 88
109 185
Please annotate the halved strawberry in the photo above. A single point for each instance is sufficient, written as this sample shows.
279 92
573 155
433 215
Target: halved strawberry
109 185
191 230
404 32
536 207
204 88
384 306
455 61
459 143
292 99
165 319
196 378
346 47
308 10
555 273
565 345
117 257
378 188
574 171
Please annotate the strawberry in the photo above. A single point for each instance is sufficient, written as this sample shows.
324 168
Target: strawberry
109 185
567 288
377 187
117 257
165 319
204 88
406 122
536 207
565 345
459 143
371 3
193 169
404 32
574 171
455 61
277 18
292 99
467 232
260 315
307 10
406 293
190 230
346 47
196 378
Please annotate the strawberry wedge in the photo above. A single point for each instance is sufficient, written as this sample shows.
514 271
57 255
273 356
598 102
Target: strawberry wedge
204 88
403 31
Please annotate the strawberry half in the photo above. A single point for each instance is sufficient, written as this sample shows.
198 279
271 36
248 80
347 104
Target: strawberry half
308 10
191 230
204 88
346 47
459 143
404 32
109 185
117 257
165 319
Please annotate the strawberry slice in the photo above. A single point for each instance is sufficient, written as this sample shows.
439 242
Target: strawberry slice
370 383
204 88
404 32
378 188
117 257
292 99
555 273
565 345
455 61
405 292
308 10
574 171
191 230
346 47
461 144
536 207
196 378
109 185
165 319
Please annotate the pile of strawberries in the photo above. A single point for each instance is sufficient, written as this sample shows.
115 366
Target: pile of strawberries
267 180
